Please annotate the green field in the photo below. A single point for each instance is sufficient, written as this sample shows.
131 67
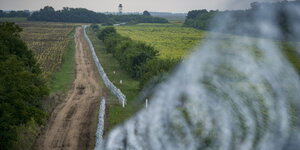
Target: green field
171 40
48 42
13 19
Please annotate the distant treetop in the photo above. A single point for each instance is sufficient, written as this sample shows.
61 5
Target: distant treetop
87 16
146 13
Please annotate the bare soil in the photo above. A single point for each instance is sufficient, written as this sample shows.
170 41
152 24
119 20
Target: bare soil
72 125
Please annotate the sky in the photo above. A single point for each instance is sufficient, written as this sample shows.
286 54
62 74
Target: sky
175 6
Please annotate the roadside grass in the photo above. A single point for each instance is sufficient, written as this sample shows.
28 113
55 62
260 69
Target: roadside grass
13 19
61 80
116 114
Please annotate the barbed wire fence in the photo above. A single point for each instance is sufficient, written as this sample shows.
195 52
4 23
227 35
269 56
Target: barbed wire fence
117 92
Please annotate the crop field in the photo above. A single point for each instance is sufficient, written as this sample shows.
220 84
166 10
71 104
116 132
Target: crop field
13 19
171 40
47 41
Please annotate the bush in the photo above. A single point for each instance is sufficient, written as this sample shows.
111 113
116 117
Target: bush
138 59
95 27
156 69
21 85
106 32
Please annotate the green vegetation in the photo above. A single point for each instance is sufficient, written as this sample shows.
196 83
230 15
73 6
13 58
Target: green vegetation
53 46
290 51
171 40
200 19
61 80
247 22
87 16
177 18
58 83
27 134
14 13
133 62
47 41
68 15
131 54
13 19
95 27
21 86
130 87
137 58
134 19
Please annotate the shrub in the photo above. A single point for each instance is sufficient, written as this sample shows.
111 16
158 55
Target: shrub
138 59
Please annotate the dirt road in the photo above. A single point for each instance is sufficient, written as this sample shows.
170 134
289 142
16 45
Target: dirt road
72 125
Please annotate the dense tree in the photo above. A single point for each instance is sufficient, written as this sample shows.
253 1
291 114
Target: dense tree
146 13
68 15
285 17
2 14
83 15
95 27
21 85
14 14
106 32
131 54
156 69
200 19
138 59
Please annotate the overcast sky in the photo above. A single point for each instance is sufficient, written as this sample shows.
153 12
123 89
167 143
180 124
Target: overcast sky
129 5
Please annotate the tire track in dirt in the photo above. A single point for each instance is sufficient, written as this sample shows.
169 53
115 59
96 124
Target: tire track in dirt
72 125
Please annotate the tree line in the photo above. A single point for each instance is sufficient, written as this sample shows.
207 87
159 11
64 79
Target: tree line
21 85
87 16
133 19
14 14
281 14
82 15
137 58
67 15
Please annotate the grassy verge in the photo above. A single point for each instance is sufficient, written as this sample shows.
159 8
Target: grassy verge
63 78
130 87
